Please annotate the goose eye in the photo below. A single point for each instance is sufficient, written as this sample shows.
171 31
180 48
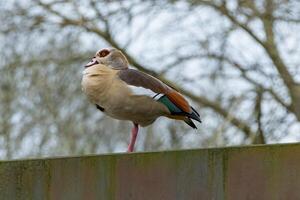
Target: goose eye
103 53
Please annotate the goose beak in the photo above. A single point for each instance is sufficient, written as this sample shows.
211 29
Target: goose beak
91 63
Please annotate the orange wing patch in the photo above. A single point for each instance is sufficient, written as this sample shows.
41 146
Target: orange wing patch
179 101
177 117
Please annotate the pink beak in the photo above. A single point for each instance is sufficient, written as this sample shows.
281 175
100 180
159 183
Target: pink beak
92 62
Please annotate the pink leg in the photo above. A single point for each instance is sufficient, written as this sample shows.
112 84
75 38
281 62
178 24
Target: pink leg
134 133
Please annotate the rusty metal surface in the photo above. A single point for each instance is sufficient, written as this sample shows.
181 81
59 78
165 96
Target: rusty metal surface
257 172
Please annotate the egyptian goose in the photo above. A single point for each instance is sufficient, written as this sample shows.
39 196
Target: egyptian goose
109 84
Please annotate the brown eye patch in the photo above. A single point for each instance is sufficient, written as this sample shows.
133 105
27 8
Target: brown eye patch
103 53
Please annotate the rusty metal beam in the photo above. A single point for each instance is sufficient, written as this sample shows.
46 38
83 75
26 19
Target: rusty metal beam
255 172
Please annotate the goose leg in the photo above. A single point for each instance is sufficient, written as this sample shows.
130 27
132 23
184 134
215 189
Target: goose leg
134 133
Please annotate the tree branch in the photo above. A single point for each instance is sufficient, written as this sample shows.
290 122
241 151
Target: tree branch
271 47
243 72
259 137
268 45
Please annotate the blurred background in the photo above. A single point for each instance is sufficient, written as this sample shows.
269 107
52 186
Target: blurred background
237 61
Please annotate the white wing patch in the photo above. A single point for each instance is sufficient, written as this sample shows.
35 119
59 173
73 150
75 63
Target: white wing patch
157 96
143 91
